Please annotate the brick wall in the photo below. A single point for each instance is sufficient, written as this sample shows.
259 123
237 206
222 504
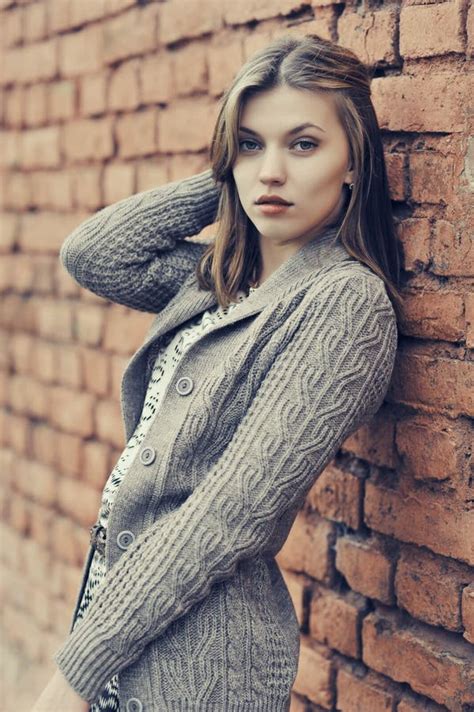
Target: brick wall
97 97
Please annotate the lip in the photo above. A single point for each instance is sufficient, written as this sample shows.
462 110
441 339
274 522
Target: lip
272 208
272 199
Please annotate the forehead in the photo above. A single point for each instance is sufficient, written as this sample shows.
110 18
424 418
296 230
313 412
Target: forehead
281 108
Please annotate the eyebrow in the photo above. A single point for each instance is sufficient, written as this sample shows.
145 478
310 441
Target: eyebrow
295 130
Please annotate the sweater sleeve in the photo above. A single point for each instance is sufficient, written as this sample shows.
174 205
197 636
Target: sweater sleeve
321 387
134 252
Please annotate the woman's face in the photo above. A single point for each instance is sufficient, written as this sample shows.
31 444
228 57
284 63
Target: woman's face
307 167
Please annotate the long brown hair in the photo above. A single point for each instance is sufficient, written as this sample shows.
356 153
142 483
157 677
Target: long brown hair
367 230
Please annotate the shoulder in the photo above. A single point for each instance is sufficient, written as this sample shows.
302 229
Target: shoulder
352 284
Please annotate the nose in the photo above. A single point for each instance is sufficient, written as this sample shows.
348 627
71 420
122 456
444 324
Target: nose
272 168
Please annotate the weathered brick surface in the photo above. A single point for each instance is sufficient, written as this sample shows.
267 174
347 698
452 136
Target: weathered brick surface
415 654
95 104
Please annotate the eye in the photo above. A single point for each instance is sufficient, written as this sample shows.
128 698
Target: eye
247 140
311 144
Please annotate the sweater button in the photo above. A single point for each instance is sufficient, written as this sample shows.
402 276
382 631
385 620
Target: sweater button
147 455
125 538
184 385
134 705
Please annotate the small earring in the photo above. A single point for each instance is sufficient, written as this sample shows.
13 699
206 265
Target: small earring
351 185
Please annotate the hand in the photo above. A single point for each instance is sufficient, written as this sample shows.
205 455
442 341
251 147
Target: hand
59 696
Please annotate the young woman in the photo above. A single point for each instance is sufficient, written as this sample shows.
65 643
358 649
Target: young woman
270 346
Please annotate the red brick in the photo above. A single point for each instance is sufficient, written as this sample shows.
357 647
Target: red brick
186 164
125 329
307 548
370 693
123 92
61 99
44 232
225 59
90 321
93 94
109 425
95 469
469 299
467 606
87 189
136 133
417 569
372 35
444 383
336 495
9 231
298 587
442 29
40 148
177 133
315 672
189 69
470 32
18 193
88 139
374 442
323 26
54 319
12 26
88 10
42 442
78 500
414 234
14 106
96 368
416 654
396 171
452 250
71 411
432 177
28 397
151 174
131 33
435 102
37 481
81 52
35 105
69 367
335 620
200 18
247 10
421 517
30 63
11 145
52 190
35 22
69 454
19 514
118 181
255 40
433 315
431 447
365 567
157 78
62 538
417 703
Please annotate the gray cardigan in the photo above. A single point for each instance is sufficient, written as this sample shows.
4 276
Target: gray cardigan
194 613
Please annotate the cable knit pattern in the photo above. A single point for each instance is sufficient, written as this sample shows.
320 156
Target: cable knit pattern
194 615
165 363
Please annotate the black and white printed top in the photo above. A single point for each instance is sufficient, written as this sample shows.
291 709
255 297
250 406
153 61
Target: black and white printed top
165 363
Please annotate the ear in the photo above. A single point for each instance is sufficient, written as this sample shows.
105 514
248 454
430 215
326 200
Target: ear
349 177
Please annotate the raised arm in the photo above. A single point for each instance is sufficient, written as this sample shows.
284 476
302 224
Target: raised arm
325 384
134 252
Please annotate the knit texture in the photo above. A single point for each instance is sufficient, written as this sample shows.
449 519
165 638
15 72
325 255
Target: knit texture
166 361
194 614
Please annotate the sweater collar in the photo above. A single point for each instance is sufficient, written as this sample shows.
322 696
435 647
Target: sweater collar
300 268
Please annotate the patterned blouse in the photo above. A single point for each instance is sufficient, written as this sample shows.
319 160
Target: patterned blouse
166 361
